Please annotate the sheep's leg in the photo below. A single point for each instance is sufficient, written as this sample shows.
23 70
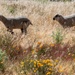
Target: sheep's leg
25 31
22 30
10 30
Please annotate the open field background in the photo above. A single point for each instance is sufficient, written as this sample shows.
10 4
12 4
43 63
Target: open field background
41 15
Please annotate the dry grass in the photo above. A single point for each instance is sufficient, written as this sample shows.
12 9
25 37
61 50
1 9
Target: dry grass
41 15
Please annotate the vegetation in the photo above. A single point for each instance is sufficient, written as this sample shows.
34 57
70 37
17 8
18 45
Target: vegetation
38 67
53 0
2 60
12 8
57 36
44 50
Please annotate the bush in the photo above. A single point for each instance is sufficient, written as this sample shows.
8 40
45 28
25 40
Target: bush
6 43
38 67
57 36
2 60
12 8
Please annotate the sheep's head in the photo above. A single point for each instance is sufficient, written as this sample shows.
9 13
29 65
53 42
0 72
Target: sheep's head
57 17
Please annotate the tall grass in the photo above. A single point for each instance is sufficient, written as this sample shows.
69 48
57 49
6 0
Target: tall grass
41 15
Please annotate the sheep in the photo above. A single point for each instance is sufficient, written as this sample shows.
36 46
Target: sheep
68 21
16 23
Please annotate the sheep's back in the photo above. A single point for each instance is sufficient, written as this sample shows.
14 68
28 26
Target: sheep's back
70 21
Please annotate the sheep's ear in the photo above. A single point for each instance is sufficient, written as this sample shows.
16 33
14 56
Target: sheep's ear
57 15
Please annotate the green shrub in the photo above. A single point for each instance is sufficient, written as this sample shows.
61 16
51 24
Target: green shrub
57 36
6 43
2 60
12 8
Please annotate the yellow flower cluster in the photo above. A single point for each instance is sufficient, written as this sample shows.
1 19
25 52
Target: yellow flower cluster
40 44
48 73
45 66
46 61
60 69
39 64
22 64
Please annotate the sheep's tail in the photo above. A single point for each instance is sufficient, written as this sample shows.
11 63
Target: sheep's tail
31 23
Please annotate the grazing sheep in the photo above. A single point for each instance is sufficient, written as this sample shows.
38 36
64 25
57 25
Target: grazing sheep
68 21
16 23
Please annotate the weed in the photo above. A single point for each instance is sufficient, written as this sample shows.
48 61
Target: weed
57 36
12 8
6 43
2 60
38 67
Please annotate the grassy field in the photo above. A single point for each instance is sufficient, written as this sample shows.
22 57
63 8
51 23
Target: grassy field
47 49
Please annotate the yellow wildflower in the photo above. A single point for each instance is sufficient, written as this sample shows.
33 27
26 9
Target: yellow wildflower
35 70
37 61
56 61
39 43
52 45
74 59
60 66
48 73
34 62
34 65
39 64
41 46
72 54
33 51
22 64
24 51
60 69
50 64
31 60
46 61
69 53
13 45
50 69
